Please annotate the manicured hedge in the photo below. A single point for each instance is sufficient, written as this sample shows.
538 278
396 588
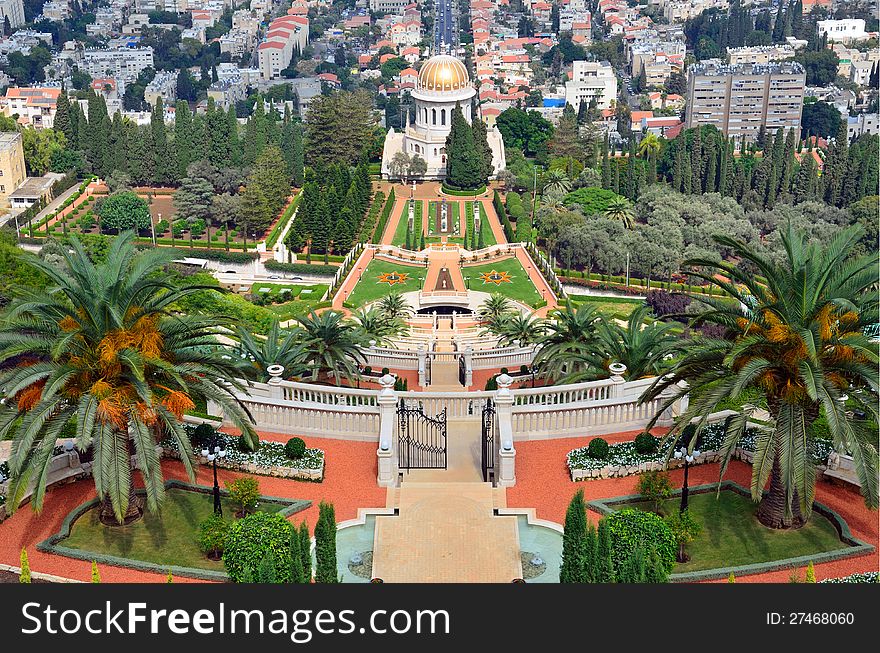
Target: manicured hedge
632 529
254 538
449 190
285 218
302 268
218 255
383 219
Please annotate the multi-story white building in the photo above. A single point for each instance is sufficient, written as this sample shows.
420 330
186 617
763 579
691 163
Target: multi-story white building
389 6
13 10
843 31
740 100
864 123
285 36
117 62
860 72
591 79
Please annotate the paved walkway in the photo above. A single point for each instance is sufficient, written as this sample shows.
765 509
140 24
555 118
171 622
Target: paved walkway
446 533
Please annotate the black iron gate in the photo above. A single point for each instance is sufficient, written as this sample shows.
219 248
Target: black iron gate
428 360
421 439
490 432
462 373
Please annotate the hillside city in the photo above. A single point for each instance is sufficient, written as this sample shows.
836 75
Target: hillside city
578 291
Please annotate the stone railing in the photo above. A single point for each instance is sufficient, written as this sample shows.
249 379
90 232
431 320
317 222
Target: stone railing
510 357
64 467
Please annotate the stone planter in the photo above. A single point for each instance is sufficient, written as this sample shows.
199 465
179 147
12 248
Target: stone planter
278 471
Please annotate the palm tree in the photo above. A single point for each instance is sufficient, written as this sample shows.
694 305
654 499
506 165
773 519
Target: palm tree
649 146
641 347
279 347
331 346
556 180
797 339
373 324
620 208
525 329
570 350
496 307
100 348
395 306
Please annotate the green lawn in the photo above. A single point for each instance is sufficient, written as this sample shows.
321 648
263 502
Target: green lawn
400 233
485 227
732 536
168 537
369 289
520 289
609 306
302 292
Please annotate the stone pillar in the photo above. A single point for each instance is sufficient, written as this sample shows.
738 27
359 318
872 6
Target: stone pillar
387 462
468 366
275 389
423 358
506 475
617 371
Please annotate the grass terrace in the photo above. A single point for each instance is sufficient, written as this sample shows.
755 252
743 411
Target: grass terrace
168 538
400 233
277 290
434 234
369 288
519 287
614 307
485 227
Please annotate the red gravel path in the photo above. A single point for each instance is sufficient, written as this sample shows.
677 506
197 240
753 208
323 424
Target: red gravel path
543 483
350 483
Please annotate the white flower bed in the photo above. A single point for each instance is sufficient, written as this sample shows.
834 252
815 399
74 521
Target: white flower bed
269 459
867 577
624 460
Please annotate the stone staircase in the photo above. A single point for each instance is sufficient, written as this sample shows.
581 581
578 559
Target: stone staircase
446 532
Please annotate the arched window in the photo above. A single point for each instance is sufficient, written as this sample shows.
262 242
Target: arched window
442 116
433 116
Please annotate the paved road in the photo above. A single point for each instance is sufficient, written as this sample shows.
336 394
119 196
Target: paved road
445 27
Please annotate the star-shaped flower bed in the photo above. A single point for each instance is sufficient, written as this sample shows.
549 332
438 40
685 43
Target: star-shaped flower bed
392 278
496 277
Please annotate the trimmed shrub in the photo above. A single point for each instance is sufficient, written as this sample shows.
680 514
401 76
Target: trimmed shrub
325 545
295 448
25 575
251 540
598 448
574 535
203 436
645 443
245 492
96 576
305 551
636 529
212 535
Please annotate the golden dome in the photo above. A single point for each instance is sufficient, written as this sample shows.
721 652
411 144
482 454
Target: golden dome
443 73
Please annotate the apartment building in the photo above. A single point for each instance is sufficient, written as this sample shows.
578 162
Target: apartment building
117 62
389 6
56 10
678 11
591 79
35 107
12 171
163 85
285 36
763 54
13 10
740 99
864 123
844 31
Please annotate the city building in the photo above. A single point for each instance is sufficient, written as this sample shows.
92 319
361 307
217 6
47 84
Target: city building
591 79
34 106
163 85
33 190
678 11
864 123
845 30
739 100
12 170
117 62
13 10
443 84
285 36
389 6
762 54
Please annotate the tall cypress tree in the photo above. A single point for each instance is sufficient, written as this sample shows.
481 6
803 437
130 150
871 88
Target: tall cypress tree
62 119
464 162
697 163
231 133
805 181
162 166
590 571
183 137
604 562
325 545
481 142
574 540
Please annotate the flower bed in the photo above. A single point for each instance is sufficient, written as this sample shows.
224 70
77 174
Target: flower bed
866 577
624 460
268 460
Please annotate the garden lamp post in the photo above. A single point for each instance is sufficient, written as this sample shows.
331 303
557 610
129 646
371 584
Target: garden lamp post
212 457
688 459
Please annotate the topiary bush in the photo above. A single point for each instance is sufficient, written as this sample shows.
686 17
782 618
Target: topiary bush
598 448
251 540
295 448
633 529
645 443
203 436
